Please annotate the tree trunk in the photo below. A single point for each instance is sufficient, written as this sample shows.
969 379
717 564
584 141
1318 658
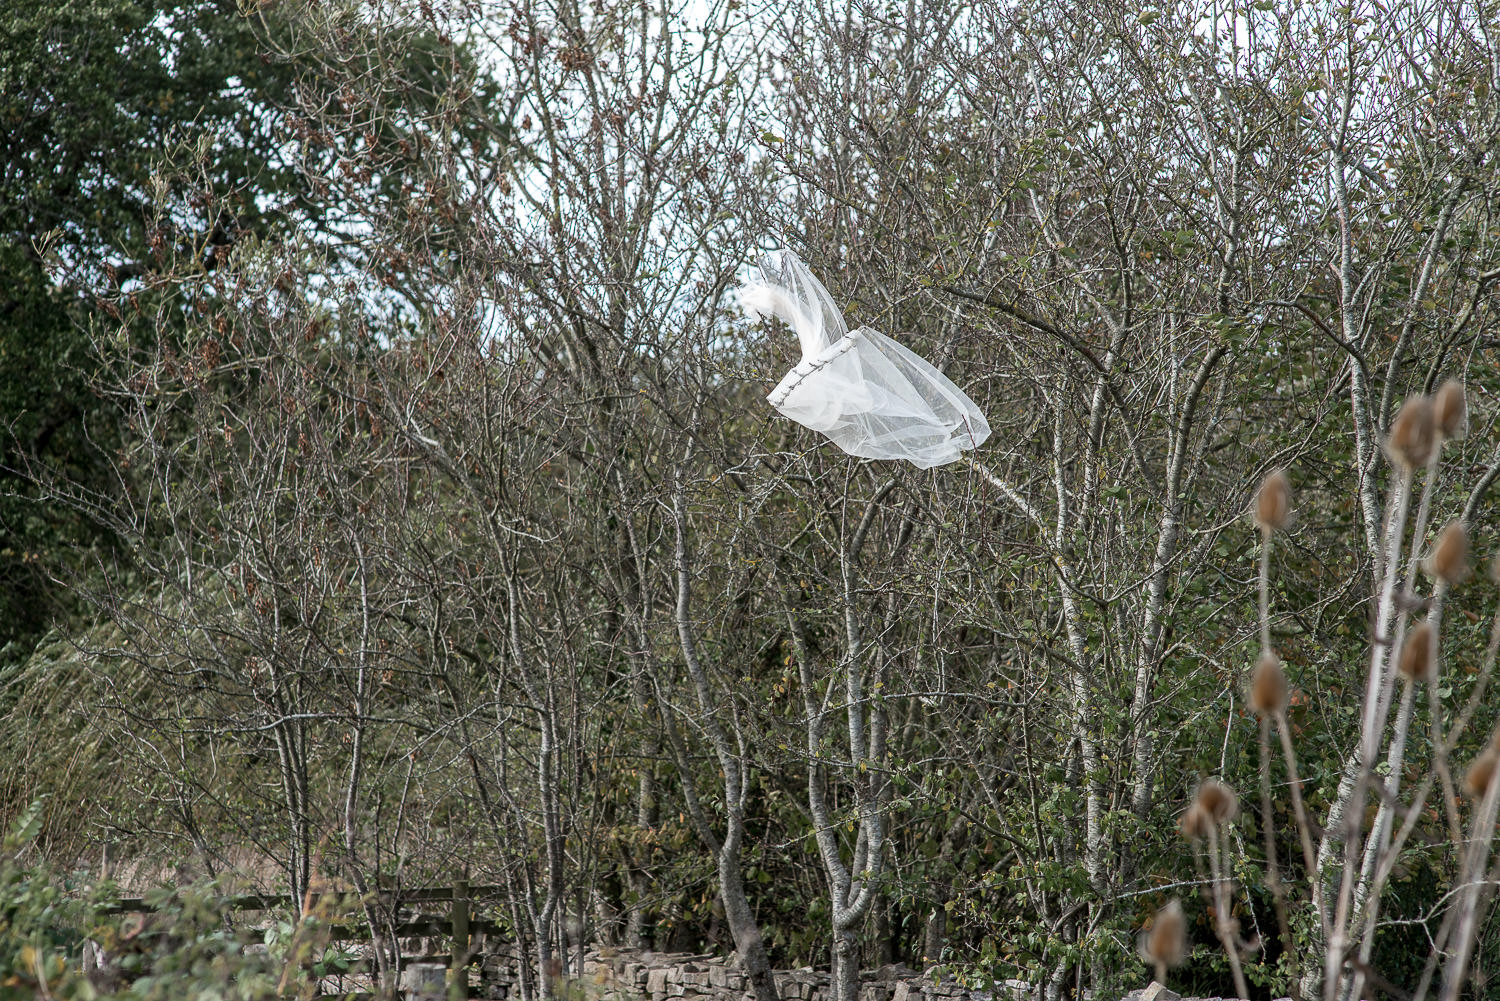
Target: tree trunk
742 924
885 942
845 964
935 935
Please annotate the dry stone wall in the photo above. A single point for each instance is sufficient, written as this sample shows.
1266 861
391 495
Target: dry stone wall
623 975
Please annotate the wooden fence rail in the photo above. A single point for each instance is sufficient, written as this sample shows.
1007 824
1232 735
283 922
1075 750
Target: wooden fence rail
271 901
460 924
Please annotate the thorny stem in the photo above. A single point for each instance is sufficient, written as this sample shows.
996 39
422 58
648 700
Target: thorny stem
1419 798
1380 837
1434 712
1268 824
1440 762
1367 892
1376 707
1449 921
1265 590
1304 828
1467 923
1273 869
1223 924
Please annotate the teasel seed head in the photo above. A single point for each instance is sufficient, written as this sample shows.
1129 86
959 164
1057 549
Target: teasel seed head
1219 800
1196 824
1273 502
1418 660
1451 409
1412 433
1482 772
1450 558
1165 944
1268 685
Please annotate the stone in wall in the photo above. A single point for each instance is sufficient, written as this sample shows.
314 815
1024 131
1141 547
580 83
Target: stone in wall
623 975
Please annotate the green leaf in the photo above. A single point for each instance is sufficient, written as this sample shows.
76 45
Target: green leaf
26 827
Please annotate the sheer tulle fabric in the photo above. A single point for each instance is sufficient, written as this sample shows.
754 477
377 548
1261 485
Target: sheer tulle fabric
871 396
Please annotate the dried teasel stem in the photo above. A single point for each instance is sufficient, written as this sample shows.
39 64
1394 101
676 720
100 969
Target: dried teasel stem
1434 697
1471 874
1418 661
1273 506
1268 830
1214 806
1268 697
1225 926
1374 708
1388 565
1304 825
1411 443
1376 850
1440 763
1440 756
1419 799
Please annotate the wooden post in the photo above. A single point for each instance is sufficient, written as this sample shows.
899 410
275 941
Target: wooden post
460 917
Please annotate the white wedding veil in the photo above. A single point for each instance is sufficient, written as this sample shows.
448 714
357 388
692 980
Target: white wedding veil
873 397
